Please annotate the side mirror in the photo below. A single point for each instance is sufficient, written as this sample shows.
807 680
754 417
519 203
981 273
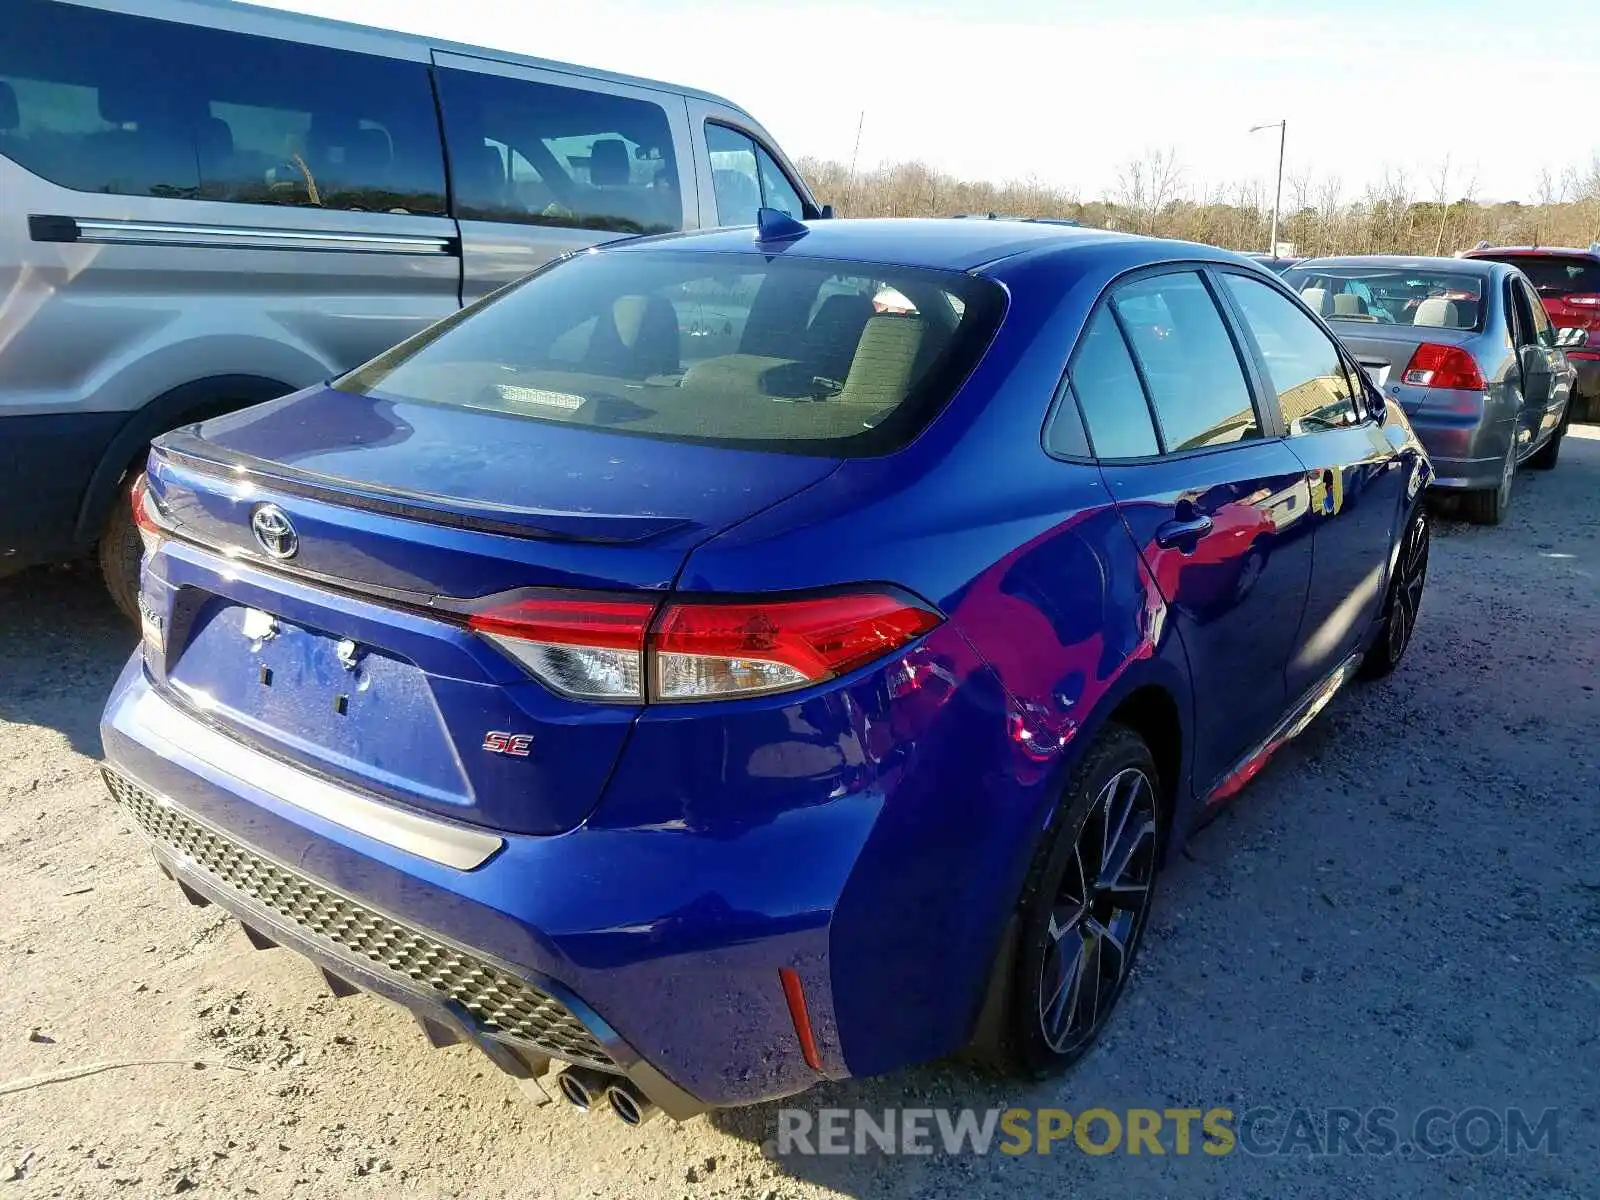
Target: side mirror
1378 405
825 213
1572 339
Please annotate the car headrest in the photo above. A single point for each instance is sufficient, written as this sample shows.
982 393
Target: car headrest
609 164
642 339
880 374
213 139
1438 313
369 150
10 118
480 173
1317 300
1348 304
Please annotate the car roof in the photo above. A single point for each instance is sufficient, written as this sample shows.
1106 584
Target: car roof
241 16
939 243
1533 251
1407 262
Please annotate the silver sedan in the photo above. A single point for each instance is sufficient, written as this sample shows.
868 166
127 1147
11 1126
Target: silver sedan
1465 347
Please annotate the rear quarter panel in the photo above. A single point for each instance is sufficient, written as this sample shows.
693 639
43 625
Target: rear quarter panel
1052 617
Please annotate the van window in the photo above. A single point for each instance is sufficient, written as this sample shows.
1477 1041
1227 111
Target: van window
106 102
744 178
538 154
775 353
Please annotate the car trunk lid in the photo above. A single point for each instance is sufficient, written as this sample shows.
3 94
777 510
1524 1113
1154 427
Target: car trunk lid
351 654
1384 351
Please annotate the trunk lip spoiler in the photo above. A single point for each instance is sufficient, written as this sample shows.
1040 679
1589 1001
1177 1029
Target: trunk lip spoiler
184 448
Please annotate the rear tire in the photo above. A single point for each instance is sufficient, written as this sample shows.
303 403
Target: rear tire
120 552
1400 606
1489 505
1083 910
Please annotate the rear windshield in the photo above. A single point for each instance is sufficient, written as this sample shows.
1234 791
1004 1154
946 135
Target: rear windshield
1391 296
1554 276
796 355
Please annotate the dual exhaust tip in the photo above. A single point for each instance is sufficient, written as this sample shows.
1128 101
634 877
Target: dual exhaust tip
585 1090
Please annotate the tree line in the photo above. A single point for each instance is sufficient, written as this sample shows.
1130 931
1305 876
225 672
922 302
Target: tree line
1431 212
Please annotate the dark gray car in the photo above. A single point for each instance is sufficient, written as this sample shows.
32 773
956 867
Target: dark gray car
1465 348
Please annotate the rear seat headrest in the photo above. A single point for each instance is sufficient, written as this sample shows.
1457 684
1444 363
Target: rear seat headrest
1438 313
1317 300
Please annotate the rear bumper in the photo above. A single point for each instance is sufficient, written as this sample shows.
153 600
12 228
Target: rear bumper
605 947
1467 454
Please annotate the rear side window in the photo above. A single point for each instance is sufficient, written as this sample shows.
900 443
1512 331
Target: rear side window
1110 394
106 102
538 154
1305 367
790 354
1554 276
744 178
1188 361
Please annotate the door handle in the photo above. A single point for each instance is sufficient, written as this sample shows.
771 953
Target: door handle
1183 534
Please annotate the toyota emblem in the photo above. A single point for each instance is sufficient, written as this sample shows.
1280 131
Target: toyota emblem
274 532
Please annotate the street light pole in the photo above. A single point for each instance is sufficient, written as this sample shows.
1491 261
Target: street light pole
1277 198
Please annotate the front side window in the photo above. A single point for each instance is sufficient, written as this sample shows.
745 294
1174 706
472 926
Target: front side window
744 178
796 355
1384 295
537 154
1190 366
1304 365
112 103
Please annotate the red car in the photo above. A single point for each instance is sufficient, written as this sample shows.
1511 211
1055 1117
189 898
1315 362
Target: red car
1568 281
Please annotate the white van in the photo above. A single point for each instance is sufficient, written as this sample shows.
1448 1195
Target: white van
206 204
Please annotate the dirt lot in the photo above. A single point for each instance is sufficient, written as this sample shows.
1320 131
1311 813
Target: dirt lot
1403 911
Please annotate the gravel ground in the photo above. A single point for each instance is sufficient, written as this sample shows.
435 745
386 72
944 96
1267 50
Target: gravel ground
1403 911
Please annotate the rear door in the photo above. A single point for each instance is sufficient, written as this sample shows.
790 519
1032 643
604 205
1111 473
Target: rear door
546 162
1352 472
1215 503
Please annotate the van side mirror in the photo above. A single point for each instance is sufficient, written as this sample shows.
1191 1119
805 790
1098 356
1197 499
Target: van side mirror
1572 339
825 213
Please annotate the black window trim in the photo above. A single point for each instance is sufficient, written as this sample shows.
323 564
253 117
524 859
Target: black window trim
1365 412
1267 416
808 211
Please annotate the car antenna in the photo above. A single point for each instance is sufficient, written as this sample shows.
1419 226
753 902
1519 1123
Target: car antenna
775 225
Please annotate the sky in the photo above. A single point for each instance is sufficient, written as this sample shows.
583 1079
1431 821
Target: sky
1069 91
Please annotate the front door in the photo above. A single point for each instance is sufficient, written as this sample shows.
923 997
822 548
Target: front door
1353 474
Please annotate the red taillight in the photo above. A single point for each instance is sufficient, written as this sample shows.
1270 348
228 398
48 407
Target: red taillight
598 647
146 517
582 645
1436 366
700 651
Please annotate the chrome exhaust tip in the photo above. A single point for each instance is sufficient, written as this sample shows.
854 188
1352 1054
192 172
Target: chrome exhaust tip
631 1106
581 1087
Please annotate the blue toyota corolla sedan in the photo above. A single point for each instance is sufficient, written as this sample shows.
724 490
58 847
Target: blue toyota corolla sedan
725 662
